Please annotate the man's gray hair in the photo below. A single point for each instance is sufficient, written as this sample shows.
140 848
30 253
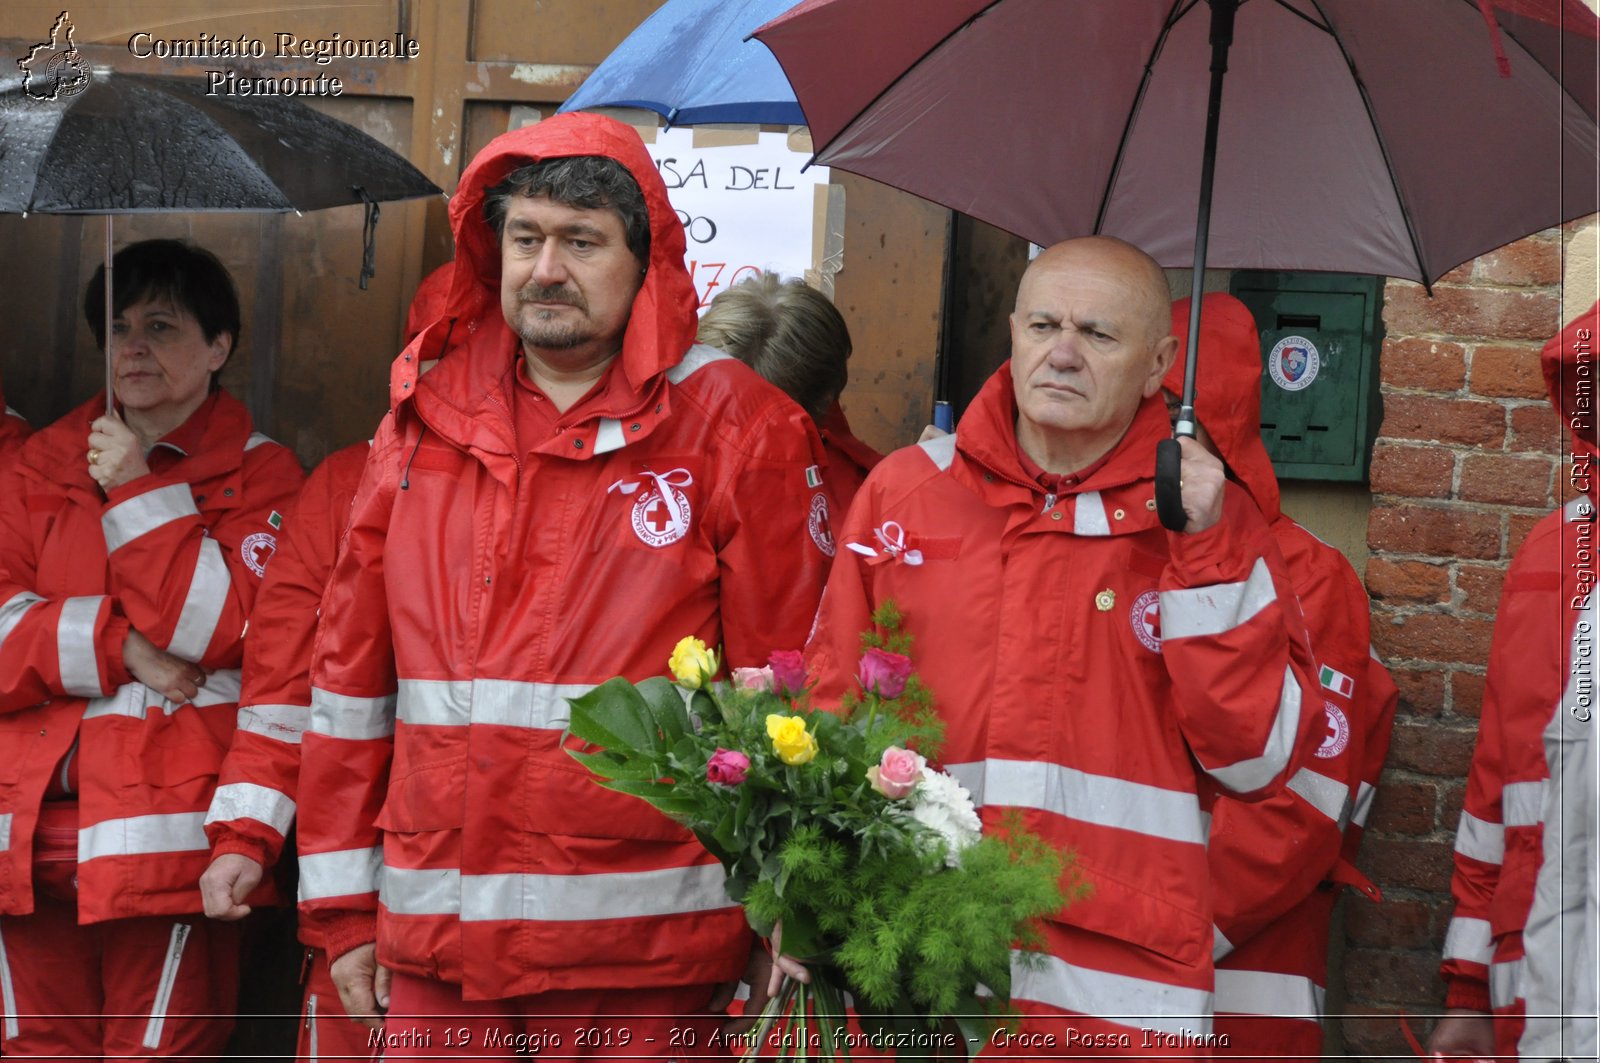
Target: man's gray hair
588 182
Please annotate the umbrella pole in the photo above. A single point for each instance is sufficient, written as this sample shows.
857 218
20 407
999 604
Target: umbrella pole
110 383
1169 492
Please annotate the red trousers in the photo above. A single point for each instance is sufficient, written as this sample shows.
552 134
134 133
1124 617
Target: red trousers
428 1020
326 1032
156 987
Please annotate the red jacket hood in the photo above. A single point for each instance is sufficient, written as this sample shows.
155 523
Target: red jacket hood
427 305
1227 389
1568 361
663 323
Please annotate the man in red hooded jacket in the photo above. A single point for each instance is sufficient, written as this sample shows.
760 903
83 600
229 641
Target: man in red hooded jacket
1521 956
558 502
1277 865
1096 673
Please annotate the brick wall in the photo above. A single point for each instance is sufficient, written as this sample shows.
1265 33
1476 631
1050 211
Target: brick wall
1467 461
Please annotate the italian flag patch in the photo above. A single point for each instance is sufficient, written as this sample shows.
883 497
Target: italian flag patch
813 476
1337 681
276 520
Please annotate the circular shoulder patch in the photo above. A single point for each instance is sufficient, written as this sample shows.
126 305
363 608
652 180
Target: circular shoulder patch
1293 363
1145 618
817 524
257 549
1338 736
658 522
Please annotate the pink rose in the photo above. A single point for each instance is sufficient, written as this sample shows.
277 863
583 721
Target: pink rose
788 668
897 773
883 673
752 678
728 767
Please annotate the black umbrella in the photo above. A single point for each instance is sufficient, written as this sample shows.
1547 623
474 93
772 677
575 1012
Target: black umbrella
127 143
1397 137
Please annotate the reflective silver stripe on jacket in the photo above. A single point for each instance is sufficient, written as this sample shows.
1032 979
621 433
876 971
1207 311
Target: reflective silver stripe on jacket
175 832
75 647
135 699
141 514
1521 803
1364 795
12 611
501 702
1283 996
344 716
169 977
420 891
941 451
1252 774
1468 939
1327 795
694 359
245 800
609 436
1089 515
285 723
342 873
1137 1003
8 993
1480 839
1220 945
1171 815
202 606
1505 983
551 898
572 898
1217 609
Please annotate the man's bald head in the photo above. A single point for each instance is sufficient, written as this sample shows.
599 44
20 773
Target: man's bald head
1146 283
1090 342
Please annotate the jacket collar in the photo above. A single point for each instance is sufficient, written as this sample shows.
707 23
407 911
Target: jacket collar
986 439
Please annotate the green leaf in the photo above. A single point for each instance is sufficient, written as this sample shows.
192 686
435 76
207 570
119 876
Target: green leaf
616 716
612 765
666 706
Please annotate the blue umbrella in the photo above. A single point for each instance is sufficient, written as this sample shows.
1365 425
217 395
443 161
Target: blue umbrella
690 63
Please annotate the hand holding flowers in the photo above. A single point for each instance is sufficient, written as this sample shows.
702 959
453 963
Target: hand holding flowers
835 827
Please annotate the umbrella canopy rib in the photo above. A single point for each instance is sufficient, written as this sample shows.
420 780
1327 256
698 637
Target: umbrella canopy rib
1173 17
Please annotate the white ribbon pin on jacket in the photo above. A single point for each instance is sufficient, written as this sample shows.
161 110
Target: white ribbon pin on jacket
664 484
892 538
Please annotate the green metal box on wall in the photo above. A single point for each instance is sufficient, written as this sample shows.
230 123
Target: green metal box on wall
1320 337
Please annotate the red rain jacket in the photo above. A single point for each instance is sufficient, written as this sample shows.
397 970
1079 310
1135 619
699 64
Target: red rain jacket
1095 672
1538 658
255 799
13 430
480 587
183 552
849 460
1275 863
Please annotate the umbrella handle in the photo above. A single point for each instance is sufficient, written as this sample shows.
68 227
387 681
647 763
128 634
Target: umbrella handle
1169 485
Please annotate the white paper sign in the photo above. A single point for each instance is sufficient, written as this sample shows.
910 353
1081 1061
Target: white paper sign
745 207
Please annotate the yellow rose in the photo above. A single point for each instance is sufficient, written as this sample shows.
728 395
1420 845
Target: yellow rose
692 664
793 743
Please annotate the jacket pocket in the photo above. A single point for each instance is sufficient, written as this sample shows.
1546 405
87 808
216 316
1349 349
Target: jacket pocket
1124 911
564 799
428 799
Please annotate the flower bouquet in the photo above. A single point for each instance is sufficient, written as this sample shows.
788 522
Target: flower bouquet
834 826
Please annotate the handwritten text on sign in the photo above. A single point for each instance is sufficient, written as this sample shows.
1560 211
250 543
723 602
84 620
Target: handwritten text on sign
744 207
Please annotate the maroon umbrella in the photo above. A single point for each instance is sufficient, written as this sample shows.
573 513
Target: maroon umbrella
1398 137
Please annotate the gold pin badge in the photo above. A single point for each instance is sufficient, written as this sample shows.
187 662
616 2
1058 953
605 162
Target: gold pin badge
1105 600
